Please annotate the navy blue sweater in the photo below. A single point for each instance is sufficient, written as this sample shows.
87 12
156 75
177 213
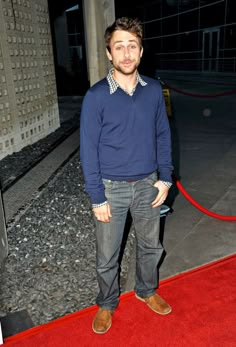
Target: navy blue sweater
123 137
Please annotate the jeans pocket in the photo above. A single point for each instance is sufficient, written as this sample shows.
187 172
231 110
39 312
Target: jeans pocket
151 179
108 184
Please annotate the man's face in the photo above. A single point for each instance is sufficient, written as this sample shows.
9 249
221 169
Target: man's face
126 52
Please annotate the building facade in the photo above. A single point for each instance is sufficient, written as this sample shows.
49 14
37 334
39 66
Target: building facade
179 35
188 35
28 99
40 51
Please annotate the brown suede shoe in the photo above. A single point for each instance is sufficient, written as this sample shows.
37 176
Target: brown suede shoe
102 321
156 304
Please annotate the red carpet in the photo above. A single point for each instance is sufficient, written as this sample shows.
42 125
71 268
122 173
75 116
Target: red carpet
204 314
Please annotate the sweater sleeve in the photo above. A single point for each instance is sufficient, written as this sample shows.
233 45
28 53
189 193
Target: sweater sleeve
163 137
90 131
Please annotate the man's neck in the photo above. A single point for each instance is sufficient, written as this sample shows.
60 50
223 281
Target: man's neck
127 82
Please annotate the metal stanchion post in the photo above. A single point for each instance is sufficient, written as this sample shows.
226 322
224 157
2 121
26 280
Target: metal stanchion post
3 233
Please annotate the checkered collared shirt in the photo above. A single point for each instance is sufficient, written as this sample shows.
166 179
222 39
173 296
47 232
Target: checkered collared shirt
113 84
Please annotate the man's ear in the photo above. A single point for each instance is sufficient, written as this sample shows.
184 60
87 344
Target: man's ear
108 55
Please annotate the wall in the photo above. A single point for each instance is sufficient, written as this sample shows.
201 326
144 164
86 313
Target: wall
187 35
28 99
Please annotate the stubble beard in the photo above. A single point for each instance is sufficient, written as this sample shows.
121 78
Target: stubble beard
124 71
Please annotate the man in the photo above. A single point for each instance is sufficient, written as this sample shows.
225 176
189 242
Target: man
126 160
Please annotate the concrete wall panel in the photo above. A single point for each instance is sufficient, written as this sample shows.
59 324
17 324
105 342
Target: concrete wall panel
28 98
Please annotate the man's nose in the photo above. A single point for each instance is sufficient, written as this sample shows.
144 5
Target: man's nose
127 51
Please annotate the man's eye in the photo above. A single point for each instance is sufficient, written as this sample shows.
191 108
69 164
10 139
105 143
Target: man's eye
133 47
118 48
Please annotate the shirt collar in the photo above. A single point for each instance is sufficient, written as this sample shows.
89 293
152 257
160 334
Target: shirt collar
113 84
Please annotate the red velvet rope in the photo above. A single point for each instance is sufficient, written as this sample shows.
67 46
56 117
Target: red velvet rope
201 208
179 185
229 92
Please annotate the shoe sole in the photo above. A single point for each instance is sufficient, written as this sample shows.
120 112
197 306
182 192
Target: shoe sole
143 300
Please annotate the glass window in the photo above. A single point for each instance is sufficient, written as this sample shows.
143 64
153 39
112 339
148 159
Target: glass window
152 29
230 37
187 5
153 12
212 16
157 45
169 7
189 42
170 25
170 44
231 10
188 21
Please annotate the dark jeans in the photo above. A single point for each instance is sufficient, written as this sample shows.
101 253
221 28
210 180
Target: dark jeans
122 197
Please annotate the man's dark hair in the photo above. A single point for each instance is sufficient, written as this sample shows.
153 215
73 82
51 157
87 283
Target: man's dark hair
127 24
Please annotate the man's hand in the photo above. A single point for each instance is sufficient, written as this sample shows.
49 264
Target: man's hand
103 213
162 194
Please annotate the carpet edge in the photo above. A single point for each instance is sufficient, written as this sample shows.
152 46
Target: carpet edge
197 269
123 297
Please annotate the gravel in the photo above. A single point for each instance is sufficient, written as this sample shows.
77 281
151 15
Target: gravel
50 270
13 166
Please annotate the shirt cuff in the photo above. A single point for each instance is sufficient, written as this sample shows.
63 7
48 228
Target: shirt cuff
99 205
167 184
